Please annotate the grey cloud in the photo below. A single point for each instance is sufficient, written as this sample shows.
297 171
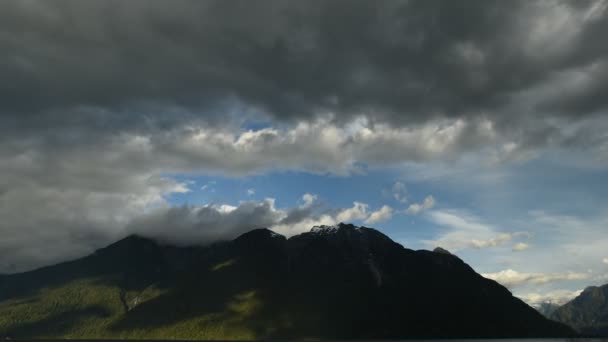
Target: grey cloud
44 224
201 225
63 229
402 61
85 73
297 215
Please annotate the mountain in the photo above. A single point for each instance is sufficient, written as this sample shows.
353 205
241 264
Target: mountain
587 313
547 308
339 282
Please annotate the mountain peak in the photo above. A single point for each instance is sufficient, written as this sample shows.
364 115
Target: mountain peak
332 229
442 251
343 230
130 242
259 233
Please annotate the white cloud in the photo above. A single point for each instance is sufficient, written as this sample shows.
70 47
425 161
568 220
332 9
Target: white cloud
250 192
304 225
577 242
320 146
559 297
192 225
382 214
399 192
202 224
520 247
459 220
416 208
357 212
493 242
227 208
467 231
511 278
209 186
546 22
308 199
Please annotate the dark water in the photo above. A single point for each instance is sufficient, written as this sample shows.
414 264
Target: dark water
450 340
605 339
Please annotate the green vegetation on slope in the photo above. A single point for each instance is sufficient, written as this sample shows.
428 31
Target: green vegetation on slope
84 307
127 290
90 308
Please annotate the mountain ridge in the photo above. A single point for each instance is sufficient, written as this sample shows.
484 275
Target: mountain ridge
341 281
587 313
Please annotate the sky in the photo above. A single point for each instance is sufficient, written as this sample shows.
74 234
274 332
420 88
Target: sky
477 126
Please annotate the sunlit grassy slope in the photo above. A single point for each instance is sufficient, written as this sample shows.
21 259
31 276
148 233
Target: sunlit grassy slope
90 308
132 300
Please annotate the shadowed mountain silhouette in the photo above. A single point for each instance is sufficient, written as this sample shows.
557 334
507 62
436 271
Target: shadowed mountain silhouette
587 313
337 281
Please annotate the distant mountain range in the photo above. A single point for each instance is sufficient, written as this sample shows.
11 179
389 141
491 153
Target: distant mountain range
587 313
338 282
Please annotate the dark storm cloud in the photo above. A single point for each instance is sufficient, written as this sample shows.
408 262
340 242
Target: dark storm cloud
99 100
401 61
